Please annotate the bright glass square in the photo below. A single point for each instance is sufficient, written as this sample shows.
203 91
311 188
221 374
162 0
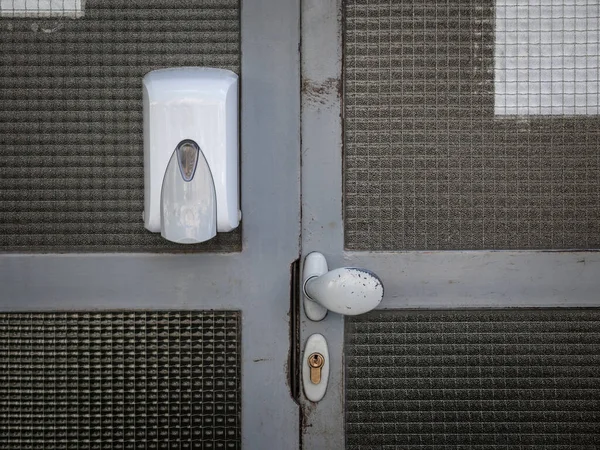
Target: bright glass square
41 8
546 55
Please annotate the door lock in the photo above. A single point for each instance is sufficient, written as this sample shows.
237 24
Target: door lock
316 362
315 368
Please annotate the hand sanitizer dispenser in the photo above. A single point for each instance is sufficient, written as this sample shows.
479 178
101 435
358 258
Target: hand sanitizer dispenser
191 153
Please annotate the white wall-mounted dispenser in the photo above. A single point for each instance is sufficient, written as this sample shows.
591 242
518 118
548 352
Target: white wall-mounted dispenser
191 153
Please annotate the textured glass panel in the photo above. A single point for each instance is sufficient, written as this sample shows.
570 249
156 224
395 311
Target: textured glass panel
41 8
120 380
527 379
546 57
71 143
428 163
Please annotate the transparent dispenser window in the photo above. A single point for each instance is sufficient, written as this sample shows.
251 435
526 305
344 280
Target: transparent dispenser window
187 155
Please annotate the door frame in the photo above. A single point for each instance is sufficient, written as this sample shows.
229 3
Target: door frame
412 279
256 280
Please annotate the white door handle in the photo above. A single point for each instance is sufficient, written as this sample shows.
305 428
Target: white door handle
348 290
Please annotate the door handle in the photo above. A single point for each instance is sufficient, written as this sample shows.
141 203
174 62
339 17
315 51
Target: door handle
347 290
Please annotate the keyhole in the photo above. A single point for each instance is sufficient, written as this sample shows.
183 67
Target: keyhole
315 361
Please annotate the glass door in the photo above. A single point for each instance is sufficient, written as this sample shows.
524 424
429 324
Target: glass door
110 337
422 163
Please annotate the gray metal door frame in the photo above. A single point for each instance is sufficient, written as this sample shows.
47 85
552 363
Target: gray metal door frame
255 281
415 279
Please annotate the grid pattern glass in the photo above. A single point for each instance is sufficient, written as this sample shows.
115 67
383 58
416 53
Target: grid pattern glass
120 380
527 379
41 8
429 165
71 143
546 57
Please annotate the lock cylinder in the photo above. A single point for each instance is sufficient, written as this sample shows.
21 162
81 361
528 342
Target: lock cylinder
315 362
315 367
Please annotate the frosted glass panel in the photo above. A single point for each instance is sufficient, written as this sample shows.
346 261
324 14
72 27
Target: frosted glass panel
546 57
41 8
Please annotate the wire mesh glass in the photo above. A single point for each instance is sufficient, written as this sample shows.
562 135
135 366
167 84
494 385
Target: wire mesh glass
434 158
